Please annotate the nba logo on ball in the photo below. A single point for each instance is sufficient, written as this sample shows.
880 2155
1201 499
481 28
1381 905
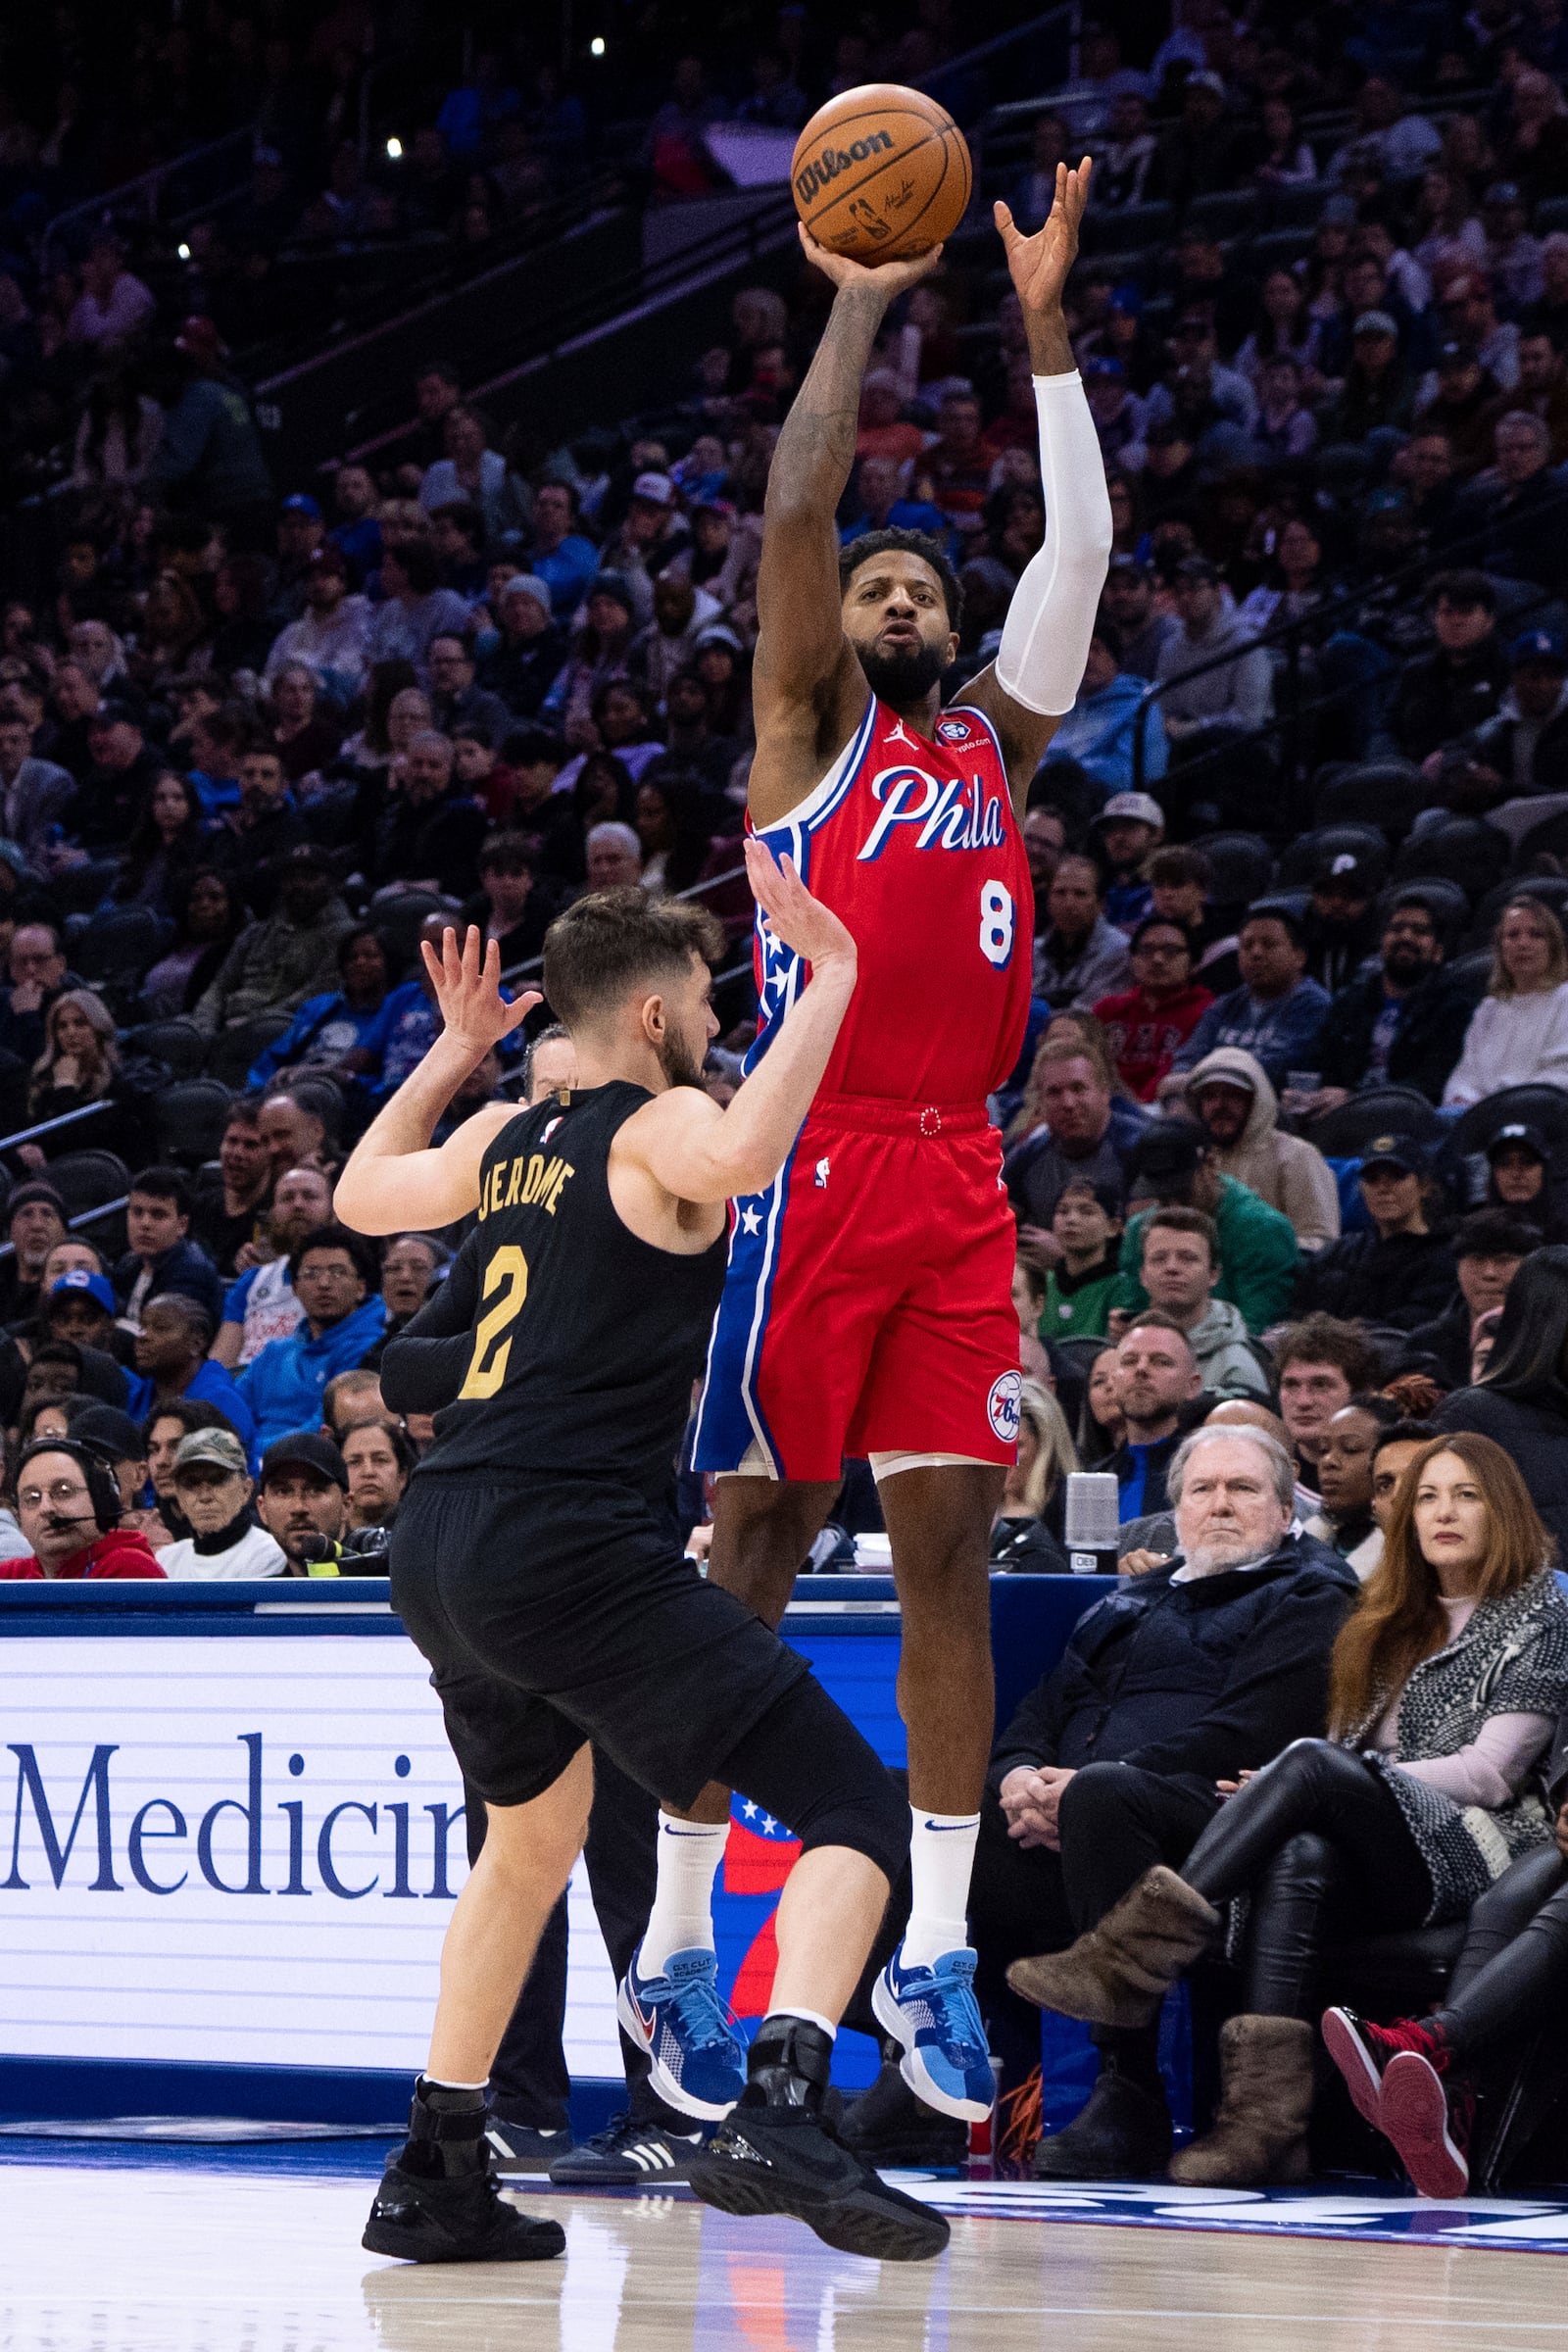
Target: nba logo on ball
1002 1406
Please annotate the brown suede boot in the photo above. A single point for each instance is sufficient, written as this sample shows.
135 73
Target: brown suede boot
1260 2134
1119 1973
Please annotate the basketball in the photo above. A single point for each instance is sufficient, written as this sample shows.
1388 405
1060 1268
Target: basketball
881 173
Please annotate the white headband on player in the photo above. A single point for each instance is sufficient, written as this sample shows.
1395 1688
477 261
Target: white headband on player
1044 639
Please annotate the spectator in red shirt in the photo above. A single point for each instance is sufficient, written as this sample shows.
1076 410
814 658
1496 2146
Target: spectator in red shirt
68 1506
1147 1022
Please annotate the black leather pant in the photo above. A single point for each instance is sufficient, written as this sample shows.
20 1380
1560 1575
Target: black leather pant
1316 1840
1514 1966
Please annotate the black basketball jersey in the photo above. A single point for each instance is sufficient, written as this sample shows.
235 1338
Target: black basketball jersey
586 1341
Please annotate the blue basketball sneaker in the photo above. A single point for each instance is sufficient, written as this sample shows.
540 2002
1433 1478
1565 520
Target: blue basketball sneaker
932 2012
696 2057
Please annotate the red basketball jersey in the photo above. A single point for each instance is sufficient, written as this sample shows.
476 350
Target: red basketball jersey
913 845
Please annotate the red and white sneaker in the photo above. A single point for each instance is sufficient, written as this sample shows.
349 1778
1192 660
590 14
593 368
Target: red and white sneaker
1362 2052
1428 2123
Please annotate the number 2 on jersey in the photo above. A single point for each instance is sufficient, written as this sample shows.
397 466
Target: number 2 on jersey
507 1273
995 922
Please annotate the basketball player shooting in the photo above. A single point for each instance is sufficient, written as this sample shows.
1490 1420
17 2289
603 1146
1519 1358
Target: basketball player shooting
535 1562
866 1309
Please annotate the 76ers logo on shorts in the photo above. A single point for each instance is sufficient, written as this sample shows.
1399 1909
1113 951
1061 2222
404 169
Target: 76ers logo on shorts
952 730
1002 1405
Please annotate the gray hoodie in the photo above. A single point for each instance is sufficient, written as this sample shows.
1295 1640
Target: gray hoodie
1226 1361
1238 693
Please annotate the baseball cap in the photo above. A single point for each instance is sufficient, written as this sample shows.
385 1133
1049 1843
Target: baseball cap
656 488
1240 1082
329 557
1105 371
1345 870
1374 322
113 709
1519 1131
612 585
1137 807
527 584
212 1448
306 1449
80 1281
302 502
1400 1152
1132 564
309 856
1538 648
1170 1154
1204 82
109 1431
1456 355
1197 567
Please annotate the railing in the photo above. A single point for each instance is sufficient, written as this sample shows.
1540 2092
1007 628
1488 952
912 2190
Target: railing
66 1118
1294 636
146 193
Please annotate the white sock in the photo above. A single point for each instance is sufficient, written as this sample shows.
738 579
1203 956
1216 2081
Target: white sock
810 2016
440 2082
682 1916
941 1858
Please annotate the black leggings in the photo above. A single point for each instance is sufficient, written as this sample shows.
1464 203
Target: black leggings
1513 1969
805 1762
1316 1836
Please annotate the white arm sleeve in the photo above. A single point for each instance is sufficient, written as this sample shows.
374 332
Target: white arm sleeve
1044 639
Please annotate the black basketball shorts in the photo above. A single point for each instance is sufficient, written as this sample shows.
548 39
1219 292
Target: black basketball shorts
557 1610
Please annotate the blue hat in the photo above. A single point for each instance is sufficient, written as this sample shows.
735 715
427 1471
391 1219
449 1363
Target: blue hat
96 1287
1542 646
1110 370
302 504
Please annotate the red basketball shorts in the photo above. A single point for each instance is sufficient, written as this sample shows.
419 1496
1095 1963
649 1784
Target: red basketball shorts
868 1306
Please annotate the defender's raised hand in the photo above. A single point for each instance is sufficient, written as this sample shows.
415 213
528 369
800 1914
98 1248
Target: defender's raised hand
1039 264
800 921
467 991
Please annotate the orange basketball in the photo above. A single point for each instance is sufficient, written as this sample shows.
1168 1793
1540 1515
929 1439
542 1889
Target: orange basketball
881 173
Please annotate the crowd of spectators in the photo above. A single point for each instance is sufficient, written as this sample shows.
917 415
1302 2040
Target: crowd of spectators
1287 1141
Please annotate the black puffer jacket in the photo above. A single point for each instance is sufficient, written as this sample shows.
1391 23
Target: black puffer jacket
1197 1681
1407 1280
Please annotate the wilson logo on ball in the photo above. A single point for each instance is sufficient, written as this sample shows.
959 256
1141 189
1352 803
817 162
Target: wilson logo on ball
834 160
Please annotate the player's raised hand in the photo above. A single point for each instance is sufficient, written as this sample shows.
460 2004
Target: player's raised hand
468 990
1039 264
887 279
800 921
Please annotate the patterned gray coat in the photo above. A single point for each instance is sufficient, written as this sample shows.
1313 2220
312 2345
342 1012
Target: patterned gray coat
1510 1659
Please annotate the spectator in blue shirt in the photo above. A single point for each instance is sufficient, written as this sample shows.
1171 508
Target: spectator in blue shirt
343 1317
1277 1013
1101 729
345 1030
172 1360
561 557
884 506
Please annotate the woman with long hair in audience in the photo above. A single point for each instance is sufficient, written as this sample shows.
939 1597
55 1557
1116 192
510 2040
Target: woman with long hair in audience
208 915
1521 1399
167 840
1284 328
1026 1530
1518 1033
81 1059
174 635
1445 1686
303 737
1100 1426
675 823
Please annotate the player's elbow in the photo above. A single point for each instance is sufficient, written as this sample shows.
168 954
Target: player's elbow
364 1206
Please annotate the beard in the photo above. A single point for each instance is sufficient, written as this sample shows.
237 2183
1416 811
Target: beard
676 1062
903 678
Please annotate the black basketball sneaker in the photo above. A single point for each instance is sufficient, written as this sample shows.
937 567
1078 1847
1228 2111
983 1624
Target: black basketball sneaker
778 2150
438 2202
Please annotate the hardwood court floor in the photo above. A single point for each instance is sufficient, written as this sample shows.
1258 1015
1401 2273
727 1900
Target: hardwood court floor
107 2259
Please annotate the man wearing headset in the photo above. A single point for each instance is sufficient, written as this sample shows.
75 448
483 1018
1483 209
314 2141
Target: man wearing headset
67 1504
